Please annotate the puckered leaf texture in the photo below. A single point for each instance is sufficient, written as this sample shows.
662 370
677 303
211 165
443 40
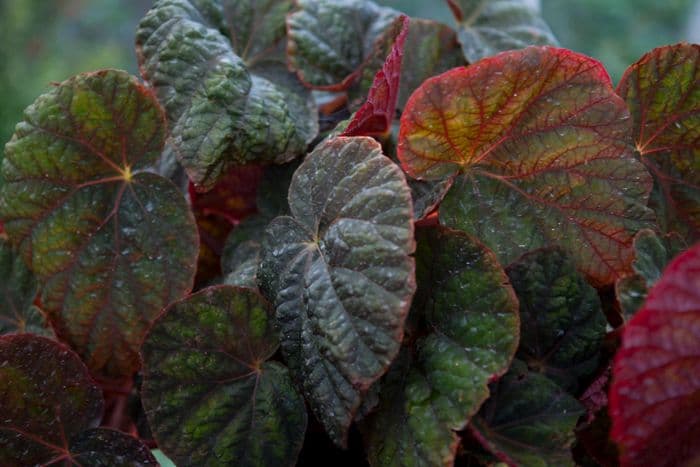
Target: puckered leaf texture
339 273
542 145
110 245
654 401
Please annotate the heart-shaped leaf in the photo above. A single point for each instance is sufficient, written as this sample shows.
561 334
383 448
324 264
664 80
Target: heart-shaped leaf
563 324
49 405
470 312
654 401
210 394
339 272
528 420
231 100
487 27
331 40
110 246
662 91
18 287
542 143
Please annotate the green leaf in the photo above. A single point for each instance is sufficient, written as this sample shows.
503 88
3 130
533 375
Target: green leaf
17 312
339 274
210 395
110 245
528 420
541 143
217 66
241 255
663 95
563 324
487 27
110 448
330 41
440 380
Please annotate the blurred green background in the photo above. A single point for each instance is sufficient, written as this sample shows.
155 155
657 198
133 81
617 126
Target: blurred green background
44 41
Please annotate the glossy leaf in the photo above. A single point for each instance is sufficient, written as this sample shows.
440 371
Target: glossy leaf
110 245
542 143
470 311
652 254
529 420
329 41
110 448
654 401
663 95
376 115
487 27
339 274
210 394
563 325
17 311
217 66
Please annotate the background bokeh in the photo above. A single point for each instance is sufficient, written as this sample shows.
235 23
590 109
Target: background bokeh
45 41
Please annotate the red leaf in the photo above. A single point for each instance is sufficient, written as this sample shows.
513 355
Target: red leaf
375 116
655 394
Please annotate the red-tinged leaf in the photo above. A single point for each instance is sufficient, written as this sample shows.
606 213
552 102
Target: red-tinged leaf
542 143
375 116
655 394
217 211
662 91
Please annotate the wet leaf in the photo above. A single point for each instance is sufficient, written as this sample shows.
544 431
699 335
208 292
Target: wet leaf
217 66
563 325
487 27
663 95
331 40
654 400
210 393
470 312
529 420
541 143
110 245
339 274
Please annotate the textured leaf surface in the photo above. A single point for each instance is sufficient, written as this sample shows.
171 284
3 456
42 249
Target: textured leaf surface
529 420
110 448
210 395
376 115
17 312
654 399
542 143
110 248
339 274
662 91
487 27
439 381
330 40
652 254
563 324
217 67
241 255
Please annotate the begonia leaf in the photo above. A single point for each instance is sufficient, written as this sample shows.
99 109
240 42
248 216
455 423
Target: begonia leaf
217 66
487 27
662 91
103 447
441 380
654 401
542 146
339 273
330 40
110 245
528 420
210 394
562 322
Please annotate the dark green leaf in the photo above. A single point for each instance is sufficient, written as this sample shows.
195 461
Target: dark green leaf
210 395
487 27
102 447
440 381
528 420
111 246
563 324
339 274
